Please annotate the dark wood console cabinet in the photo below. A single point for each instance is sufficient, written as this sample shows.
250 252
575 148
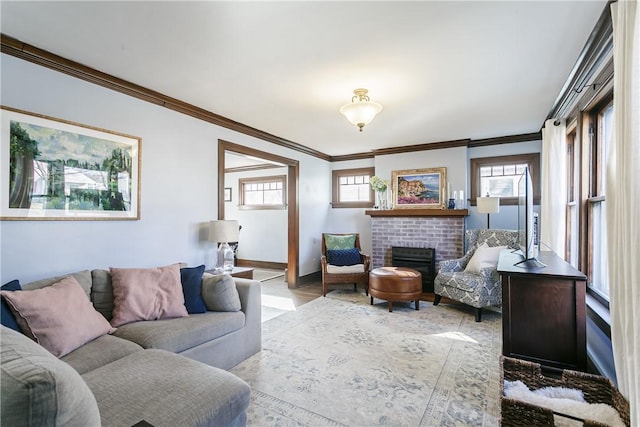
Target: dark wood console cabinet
543 312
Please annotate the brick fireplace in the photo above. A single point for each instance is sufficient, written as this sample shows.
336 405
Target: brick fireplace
442 230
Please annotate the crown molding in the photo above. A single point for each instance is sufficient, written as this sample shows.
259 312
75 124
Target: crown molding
594 55
14 47
24 51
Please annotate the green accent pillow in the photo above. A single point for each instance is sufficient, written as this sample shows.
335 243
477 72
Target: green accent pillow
342 241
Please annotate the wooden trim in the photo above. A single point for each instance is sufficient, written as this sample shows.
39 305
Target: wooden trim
355 156
262 264
417 212
422 147
252 168
13 47
533 159
24 51
335 188
597 49
525 137
293 208
262 179
509 139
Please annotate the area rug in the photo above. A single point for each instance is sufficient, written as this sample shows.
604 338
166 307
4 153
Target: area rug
263 275
339 361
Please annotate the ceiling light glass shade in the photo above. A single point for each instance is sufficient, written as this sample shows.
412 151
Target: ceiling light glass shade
361 110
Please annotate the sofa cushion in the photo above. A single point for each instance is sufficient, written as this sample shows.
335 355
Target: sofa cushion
169 390
191 279
146 294
220 293
6 316
345 269
182 333
59 317
99 352
39 390
341 257
83 277
339 241
102 292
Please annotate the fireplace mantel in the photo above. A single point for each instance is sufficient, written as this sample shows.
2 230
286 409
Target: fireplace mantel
417 212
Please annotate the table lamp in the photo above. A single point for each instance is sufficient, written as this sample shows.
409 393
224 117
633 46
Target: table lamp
223 232
488 205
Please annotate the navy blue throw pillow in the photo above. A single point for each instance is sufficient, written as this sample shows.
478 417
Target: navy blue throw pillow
344 257
191 279
6 316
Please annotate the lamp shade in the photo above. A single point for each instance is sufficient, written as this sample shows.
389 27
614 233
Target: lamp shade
224 231
488 205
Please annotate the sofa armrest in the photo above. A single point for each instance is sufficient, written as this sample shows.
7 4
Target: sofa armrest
250 292
453 265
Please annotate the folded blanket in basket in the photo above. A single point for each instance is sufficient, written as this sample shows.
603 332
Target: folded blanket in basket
564 401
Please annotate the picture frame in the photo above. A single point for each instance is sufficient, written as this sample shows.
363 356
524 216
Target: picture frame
54 169
227 194
419 188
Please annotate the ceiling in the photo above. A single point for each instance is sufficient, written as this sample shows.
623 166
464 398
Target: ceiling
442 70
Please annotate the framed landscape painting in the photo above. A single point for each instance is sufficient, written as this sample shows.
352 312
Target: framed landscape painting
419 188
52 169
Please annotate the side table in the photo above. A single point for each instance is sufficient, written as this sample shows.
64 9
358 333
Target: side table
240 272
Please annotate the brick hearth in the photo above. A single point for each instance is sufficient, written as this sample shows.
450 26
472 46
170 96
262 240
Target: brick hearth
445 234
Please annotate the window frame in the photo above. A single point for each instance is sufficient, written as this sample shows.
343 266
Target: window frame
336 174
262 179
594 171
532 159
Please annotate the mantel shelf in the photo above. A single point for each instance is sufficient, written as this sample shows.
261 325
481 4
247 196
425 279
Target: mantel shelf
417 212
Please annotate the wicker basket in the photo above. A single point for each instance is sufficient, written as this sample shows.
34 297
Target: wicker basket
596 389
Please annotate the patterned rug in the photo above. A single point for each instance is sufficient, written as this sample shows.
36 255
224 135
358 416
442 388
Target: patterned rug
338 361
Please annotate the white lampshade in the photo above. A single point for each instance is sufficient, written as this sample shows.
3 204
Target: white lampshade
488 205
224 231
361 110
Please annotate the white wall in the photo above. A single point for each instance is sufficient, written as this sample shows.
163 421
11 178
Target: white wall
178 185
264 231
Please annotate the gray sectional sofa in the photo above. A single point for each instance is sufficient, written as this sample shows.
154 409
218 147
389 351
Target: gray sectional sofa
164 372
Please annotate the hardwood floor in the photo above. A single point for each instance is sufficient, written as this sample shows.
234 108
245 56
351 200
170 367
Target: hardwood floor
277 298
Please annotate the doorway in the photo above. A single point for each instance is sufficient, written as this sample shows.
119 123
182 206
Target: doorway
292 199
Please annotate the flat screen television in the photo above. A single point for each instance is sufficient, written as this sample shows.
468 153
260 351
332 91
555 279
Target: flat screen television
528 226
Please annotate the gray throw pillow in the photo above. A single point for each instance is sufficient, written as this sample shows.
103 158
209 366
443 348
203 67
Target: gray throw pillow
219 293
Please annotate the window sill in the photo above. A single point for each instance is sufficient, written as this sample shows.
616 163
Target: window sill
599 349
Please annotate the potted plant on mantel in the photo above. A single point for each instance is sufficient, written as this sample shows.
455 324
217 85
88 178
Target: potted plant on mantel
380 187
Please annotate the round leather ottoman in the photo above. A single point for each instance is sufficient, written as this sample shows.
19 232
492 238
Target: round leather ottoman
395 284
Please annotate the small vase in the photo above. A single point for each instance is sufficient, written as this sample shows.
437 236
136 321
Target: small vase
382 200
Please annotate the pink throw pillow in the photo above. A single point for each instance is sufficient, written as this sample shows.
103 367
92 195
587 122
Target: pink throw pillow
59 317
147 294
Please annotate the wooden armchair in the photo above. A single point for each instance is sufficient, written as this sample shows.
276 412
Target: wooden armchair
348 266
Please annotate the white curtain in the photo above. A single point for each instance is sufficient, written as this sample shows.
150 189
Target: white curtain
623 203
553 180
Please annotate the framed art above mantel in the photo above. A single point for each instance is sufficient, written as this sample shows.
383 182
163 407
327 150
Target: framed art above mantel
53 169
419 188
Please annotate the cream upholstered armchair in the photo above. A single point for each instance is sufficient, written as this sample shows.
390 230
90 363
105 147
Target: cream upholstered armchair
343 262
473 279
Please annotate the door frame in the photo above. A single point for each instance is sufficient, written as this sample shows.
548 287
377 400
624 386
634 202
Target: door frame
293 210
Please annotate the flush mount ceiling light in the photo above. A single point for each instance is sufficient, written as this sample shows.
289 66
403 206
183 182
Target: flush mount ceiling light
361 110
